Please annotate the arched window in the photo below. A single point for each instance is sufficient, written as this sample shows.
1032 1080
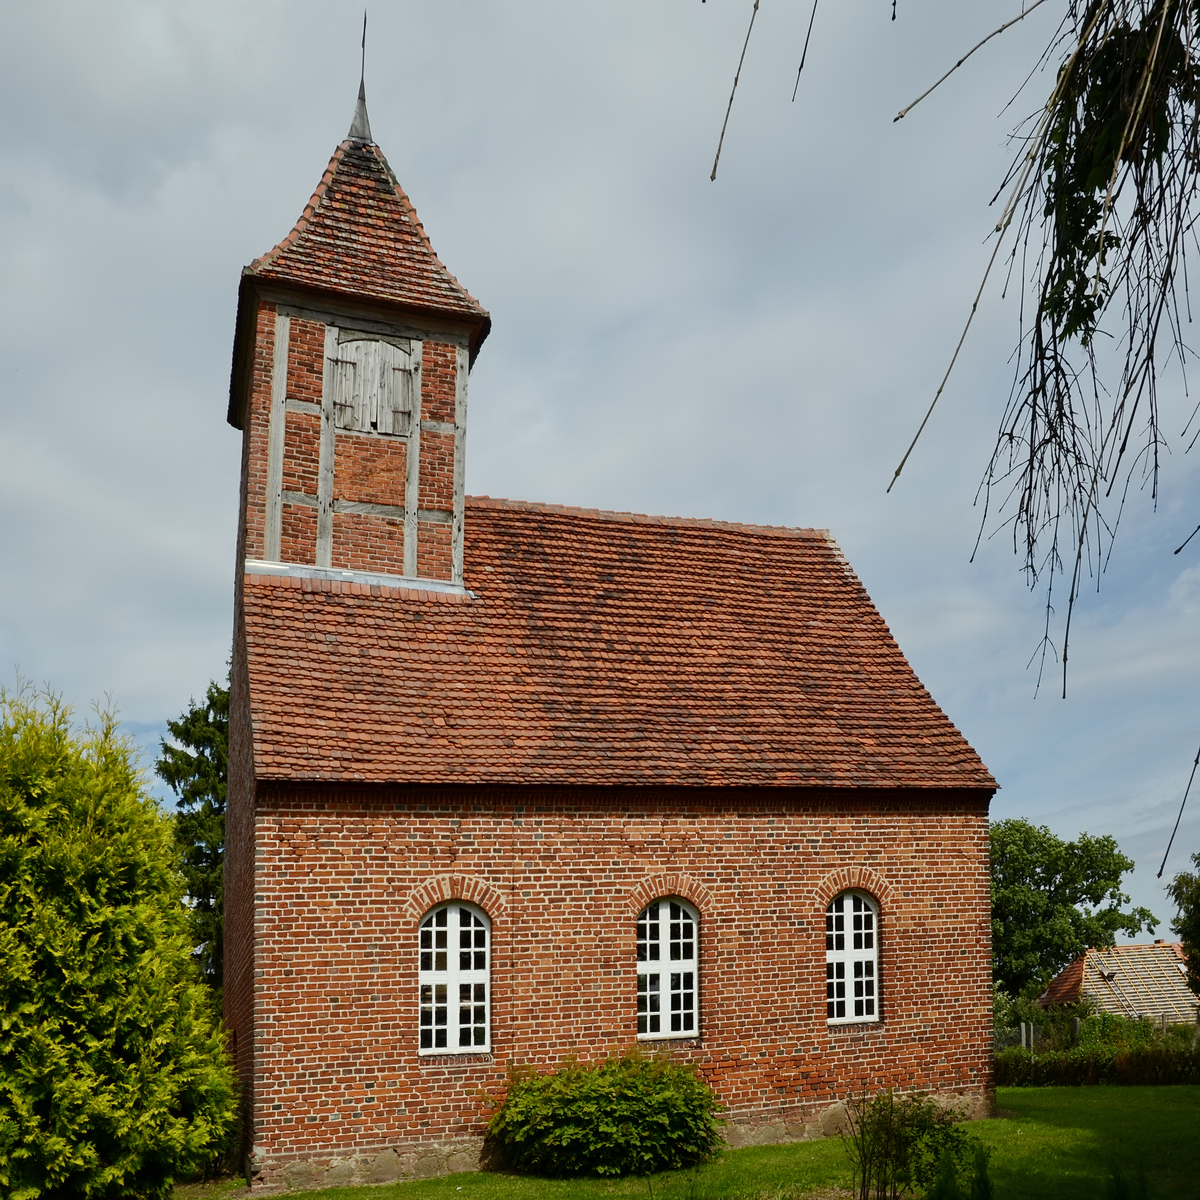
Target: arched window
668 950
851 958
456 999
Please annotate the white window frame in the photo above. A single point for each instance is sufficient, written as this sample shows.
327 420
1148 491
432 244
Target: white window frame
668 1000
446 968
852 959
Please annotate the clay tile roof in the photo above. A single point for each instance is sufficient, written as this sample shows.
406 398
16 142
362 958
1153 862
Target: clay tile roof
598 648
360 236
1129 981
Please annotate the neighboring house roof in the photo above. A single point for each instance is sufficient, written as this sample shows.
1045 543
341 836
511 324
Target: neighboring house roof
598 648
1129 981
360 236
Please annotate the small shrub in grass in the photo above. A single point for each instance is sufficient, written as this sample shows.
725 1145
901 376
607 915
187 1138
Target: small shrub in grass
631 1115
899 1144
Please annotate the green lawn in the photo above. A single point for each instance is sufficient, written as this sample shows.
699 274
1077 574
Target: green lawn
1061 1143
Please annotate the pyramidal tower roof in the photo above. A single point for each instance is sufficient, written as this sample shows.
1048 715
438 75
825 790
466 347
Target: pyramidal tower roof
360 236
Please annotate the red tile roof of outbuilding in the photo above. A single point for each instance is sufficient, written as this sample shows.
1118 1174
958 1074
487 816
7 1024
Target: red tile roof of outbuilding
360 236
1130 981
598 648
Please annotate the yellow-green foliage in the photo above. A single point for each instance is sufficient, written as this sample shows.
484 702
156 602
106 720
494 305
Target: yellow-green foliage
114 1078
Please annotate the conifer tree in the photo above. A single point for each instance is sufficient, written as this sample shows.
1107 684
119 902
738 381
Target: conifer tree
114 1077
197 768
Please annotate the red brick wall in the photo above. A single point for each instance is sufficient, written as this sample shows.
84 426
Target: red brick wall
370 470
368 543
306 360
301 453
439 381
437 471
433 550
256 425
343 876
239 866
367 469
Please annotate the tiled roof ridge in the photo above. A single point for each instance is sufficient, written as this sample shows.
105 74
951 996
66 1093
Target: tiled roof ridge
416 222
604 514
265 260
1127 947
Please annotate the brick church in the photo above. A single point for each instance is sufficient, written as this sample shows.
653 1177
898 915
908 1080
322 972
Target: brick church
512 781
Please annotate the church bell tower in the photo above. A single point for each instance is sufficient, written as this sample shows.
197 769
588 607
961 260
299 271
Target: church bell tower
349 384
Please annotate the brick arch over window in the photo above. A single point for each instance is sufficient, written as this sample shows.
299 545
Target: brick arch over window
655 887
844 879
455 887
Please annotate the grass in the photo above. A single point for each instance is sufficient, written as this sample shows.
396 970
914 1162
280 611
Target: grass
1064 1142
1059 1143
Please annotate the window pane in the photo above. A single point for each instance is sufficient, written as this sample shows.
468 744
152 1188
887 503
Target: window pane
678 929
850 957
450 992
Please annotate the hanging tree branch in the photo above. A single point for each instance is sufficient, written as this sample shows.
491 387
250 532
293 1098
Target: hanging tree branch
1106 185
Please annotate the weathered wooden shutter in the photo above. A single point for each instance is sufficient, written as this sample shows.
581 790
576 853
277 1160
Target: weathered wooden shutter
398 379
346 388
375 383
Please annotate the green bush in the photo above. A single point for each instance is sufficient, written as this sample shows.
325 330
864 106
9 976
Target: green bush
114 1078
897 1144
630 1115
1148 1063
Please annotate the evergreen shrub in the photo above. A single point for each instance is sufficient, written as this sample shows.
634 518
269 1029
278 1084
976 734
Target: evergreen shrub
627 1115
114 1078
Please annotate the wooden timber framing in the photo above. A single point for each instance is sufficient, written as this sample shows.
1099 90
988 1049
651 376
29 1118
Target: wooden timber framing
275 432
460 456
325 461
412 481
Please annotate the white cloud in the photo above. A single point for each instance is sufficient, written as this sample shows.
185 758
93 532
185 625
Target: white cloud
759 349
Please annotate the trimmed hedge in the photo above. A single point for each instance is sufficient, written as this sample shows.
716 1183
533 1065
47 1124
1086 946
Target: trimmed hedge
1130 1065
630 1115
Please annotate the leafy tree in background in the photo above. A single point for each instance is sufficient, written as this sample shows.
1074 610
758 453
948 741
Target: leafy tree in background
114 1078
1052 900
196 768
1184 889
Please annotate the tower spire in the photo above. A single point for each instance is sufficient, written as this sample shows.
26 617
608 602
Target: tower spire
360 127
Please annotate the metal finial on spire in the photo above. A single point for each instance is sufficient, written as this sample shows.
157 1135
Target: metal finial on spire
360 127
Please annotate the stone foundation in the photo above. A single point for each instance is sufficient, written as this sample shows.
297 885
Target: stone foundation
833 1121
386 1164
391 1164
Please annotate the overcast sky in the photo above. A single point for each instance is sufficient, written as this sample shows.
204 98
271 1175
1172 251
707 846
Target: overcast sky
757 349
